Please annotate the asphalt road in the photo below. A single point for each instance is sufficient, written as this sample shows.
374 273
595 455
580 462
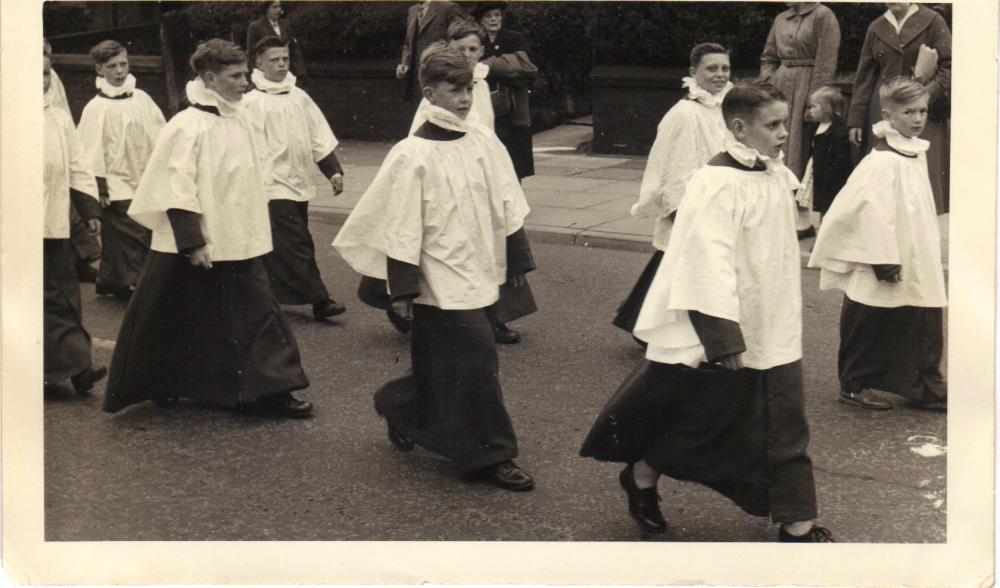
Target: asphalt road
192 472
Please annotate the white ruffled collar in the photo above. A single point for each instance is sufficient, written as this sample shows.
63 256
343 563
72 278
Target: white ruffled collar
480 71
702 95
911 146
271 87
198 93
128 87
444 118
749 157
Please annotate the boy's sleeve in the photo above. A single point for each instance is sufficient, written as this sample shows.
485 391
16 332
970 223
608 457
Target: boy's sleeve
170 179
186 226
86 206
719 337
404 279
519 257
330 165
671 163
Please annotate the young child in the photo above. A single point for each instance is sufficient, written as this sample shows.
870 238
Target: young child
67 179
831 162
203 322
690 133
437 223
118 128
880 244
727 294
298 141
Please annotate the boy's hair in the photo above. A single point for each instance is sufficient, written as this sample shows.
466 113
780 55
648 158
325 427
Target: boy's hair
745 99
463 27
832 101
267 43
106 50
702 49
900 90
215 54
443 64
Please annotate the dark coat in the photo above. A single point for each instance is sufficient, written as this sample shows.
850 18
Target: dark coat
832 165
509 42
261 28
420 35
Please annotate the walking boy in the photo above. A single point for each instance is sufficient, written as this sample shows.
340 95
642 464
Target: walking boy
298 139
437 223
67 343
879 243
118 128
203 322
719 399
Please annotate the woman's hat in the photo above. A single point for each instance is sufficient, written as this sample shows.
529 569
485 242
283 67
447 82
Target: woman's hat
482 8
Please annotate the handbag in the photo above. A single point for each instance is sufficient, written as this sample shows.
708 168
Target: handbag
502 101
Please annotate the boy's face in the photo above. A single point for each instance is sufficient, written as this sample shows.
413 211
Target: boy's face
455 99
46 74
469 46
114 70
274 63
909 119
229 82
712 72
765 131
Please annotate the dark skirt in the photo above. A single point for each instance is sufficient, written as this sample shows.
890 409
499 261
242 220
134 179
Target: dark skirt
215 335
67 343
451 403
742 433
126 244
291 266
517 140
628 310
897 350
85 245
513 303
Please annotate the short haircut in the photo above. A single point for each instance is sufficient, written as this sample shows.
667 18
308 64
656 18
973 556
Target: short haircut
463 27
106 50
215 54
831 100
268 42
745 99
900 90
702 49
444 64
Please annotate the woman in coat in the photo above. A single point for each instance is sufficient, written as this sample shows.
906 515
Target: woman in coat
890 49
271 24
511 76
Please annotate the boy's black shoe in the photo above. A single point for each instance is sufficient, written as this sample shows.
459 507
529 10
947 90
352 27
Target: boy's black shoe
86 379
104 290
643 503
401 324
508 476
327 308
85 272
504 335
815 535
399 440
286 405
864 398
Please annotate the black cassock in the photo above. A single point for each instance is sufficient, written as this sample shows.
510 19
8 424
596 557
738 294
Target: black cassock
125 245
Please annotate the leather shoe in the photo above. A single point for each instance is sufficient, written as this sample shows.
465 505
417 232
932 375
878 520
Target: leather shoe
86 379
815 535
864 398
104 290
504 335
643 503
399 440
508 476
401 324
327 308
286 405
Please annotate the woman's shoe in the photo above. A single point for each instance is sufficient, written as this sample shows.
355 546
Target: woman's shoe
509 476
399 440
504 335
643 503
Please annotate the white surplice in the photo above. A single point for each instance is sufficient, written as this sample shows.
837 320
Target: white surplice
445 206
885 214
64 167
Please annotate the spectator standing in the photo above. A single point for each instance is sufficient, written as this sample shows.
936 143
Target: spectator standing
426 23
273 24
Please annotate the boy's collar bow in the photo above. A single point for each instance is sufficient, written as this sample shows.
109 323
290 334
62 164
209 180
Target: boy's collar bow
263 84
124 90
696 92
198 93
911 146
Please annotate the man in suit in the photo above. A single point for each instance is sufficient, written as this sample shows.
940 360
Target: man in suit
425 23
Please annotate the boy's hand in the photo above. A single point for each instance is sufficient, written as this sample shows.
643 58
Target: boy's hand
337 183
201 258
94 225
854 135
518 280
733 361
401 71
403 307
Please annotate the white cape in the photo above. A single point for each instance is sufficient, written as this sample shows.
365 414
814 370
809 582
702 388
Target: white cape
64 167
445 206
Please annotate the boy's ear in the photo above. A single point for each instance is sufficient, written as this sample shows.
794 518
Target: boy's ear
428 91
885 114
738 128
691 70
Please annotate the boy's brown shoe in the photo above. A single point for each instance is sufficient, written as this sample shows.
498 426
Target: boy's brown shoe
864 398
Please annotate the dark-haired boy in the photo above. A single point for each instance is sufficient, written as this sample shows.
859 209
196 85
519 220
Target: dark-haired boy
298 140
436 223
719 398
118 128
203 322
